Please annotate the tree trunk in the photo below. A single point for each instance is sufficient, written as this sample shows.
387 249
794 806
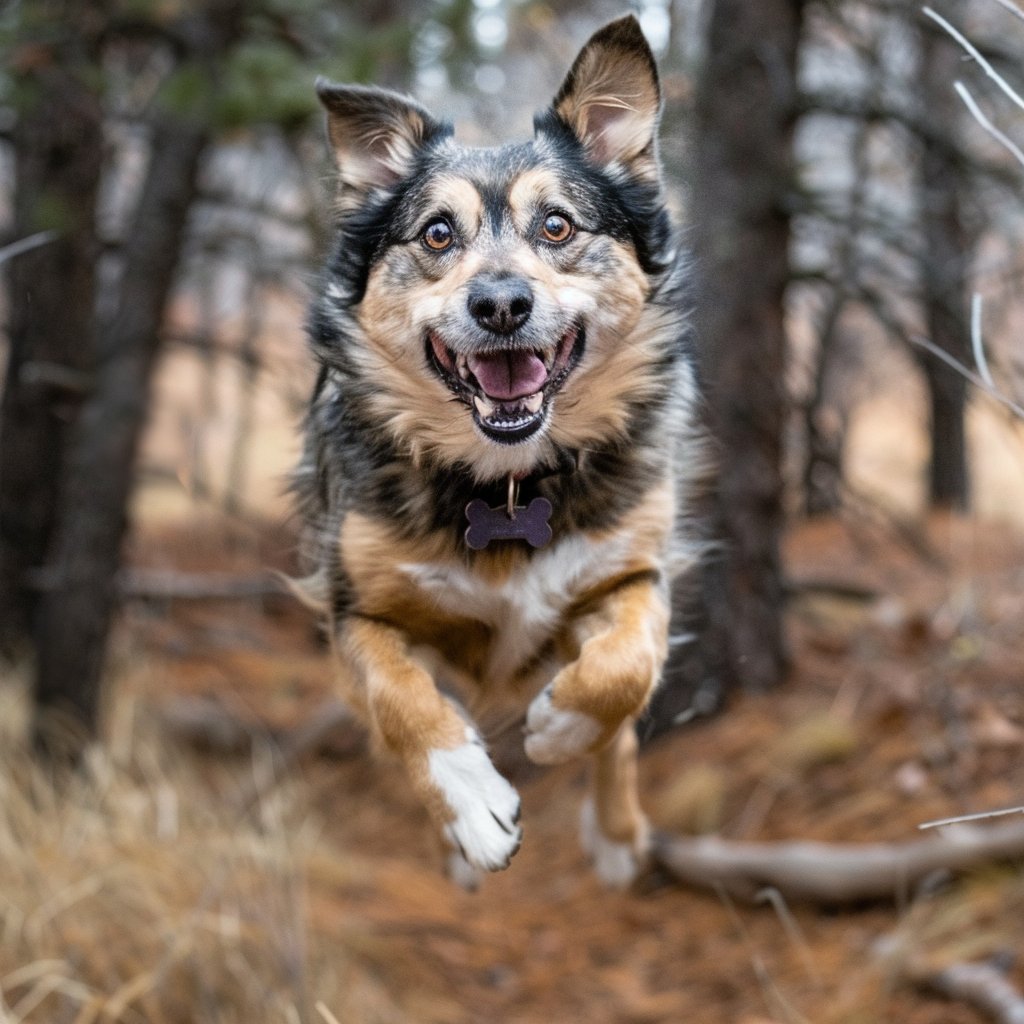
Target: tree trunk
58 145
947 247
79 584
825 418
743 173
78 597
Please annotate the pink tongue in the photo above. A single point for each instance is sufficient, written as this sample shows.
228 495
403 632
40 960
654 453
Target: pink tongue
508 375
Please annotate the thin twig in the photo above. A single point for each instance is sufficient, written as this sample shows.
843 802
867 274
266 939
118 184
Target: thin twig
8 252
1012 8
976 54
769 894
979 116
939 353
979 816
326 1014
978 342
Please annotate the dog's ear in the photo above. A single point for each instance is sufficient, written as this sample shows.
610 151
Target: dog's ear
375 133
611 99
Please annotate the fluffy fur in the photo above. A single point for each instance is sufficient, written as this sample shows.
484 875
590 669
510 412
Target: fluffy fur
488 315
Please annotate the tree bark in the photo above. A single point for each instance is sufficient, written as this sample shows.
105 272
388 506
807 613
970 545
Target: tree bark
58 146
79 583
743 172
79 590
947 247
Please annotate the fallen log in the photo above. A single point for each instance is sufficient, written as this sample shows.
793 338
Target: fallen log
833 873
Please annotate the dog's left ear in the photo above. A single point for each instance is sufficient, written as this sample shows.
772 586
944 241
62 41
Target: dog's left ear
376 134
611 98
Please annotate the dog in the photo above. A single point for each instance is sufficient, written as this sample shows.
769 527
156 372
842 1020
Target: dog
503 443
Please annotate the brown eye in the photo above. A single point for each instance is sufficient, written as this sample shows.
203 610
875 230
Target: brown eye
556 228
438 235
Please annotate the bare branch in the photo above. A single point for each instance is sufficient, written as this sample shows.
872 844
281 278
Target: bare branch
979 985
976 54
325 1013
980 816
969 374
8 252
1012 8
860 108
977 341
170 584
979 116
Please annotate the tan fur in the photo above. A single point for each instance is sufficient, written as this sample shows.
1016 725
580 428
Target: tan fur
460 198
616 804
407 714
622 647
534 189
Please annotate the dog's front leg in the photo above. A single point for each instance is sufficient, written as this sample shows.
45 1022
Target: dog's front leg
476 809
591 707
622 647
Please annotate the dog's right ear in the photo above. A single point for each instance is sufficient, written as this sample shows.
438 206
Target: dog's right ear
375 133
611 99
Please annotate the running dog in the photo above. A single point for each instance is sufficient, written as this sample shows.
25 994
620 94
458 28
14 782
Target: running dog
503 443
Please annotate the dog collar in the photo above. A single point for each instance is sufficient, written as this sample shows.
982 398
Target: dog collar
509 522
513 521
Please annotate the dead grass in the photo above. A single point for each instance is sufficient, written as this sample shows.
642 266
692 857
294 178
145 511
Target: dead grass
140 893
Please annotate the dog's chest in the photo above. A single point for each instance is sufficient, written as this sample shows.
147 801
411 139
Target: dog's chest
526 607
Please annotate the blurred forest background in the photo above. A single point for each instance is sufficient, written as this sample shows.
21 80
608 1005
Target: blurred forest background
848 174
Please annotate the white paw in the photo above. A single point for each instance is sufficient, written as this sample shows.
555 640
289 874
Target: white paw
484 807
617 864
554 735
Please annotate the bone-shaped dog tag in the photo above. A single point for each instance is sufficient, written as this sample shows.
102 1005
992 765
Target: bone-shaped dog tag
529 523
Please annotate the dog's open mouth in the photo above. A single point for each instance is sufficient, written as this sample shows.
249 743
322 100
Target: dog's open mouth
508 389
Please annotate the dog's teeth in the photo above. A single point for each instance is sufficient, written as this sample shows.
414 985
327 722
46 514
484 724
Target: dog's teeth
534 402
483 406
463 367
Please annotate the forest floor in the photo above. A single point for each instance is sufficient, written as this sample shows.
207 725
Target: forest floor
324 891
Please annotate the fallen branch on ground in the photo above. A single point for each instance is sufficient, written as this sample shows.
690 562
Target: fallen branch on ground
172 584
981 986
832 873
209 725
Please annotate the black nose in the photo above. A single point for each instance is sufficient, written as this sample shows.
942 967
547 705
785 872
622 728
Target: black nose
500 304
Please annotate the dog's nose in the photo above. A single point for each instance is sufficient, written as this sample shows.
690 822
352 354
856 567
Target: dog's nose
500 304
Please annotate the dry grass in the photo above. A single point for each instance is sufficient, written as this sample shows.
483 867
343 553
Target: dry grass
140 893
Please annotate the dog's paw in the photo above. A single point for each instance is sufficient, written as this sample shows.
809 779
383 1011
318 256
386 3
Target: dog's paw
461 872
484 808
555 735
617 864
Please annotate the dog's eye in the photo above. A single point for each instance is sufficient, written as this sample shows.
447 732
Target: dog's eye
438 235
556 228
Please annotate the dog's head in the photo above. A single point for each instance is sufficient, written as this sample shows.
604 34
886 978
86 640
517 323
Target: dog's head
494 304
